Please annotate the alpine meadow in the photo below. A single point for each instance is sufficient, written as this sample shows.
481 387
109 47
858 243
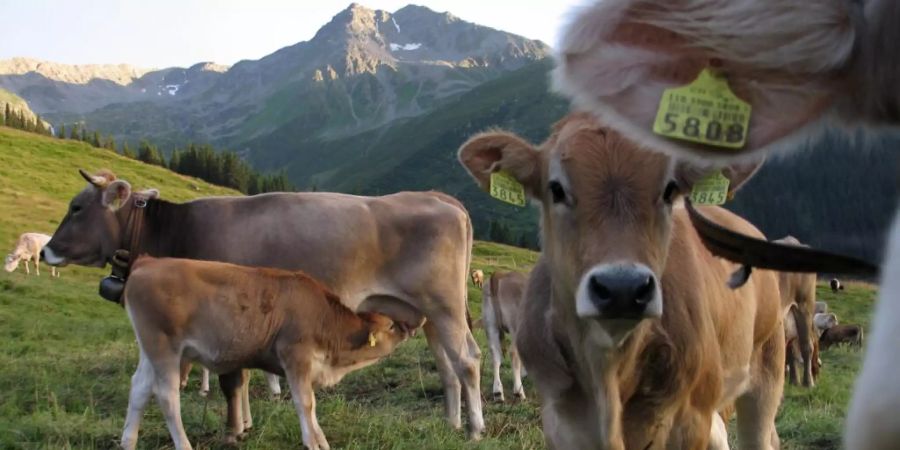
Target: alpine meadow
375 103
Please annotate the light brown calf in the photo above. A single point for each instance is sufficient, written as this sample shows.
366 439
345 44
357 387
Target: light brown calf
230 317
631 335
501 306
28 249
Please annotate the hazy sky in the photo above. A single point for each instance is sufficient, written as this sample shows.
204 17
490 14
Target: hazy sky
163 33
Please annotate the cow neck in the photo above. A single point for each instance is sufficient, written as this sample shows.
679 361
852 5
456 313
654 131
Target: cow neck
129 247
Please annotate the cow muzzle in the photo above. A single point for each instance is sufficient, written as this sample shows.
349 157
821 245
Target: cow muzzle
48 256
619 291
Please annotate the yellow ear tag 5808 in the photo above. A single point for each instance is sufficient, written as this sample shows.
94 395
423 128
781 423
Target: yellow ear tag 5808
705 111
506 188
710 190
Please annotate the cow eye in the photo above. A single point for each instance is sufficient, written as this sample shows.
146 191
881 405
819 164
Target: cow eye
669 193
76 209
557 192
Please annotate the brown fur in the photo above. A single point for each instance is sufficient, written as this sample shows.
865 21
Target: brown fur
661 383
842 334
501 310
230 317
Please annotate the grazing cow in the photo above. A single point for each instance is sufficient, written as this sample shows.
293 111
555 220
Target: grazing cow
836 285
629 331
821 308
500 308
800 65
405 255
824 321
799 290
841 334
28 248
478 278
230 317
793 356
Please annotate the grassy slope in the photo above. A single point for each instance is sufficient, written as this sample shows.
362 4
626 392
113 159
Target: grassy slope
67 356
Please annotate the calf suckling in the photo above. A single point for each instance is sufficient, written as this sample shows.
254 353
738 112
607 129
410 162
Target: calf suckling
628 329
228 318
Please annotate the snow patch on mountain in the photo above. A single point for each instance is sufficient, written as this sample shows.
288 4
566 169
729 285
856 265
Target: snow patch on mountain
413 46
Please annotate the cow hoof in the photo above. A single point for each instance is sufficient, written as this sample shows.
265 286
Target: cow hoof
520 395
475 435
204 393
498 397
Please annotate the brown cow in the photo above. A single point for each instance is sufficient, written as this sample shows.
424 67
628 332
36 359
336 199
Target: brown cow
631 335
478 278
501 305
405 255
841 334
229 317
793 356
799 290
798 64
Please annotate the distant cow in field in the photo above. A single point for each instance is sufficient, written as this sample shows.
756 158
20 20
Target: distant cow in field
793 355
404 255
501 305
230 317
271 380
824 321
478 278
842 334
821 308
28 249
628 329
836 285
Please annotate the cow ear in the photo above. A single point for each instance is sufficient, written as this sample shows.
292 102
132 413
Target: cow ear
688 173
149 194
494 151
116 193
785 59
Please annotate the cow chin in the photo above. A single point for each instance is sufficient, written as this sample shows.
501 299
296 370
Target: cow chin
50 257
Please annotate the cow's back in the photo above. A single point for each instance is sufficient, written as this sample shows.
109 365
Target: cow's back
353 244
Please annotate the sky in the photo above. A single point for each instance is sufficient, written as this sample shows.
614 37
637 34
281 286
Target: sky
165 33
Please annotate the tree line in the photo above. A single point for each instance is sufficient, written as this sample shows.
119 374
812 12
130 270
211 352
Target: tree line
20 121
223 168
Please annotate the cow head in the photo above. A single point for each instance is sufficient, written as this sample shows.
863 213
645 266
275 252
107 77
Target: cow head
91 231
606 212
11 262
792 61
384 333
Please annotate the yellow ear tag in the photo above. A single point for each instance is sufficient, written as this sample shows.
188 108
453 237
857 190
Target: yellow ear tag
506 188
372 340
705 111
711 190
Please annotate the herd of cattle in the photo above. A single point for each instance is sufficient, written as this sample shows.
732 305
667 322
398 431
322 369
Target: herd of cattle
634 334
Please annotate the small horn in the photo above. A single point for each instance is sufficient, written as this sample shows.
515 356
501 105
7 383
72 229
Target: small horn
763 254
96 181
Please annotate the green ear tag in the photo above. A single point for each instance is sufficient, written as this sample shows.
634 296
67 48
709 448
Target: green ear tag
506 188
705 111
710 190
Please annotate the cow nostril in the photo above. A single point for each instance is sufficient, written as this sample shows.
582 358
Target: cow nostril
42 254
644 293
600 291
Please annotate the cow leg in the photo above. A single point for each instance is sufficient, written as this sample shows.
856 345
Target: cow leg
449 380
757 408
232 384
27 270
297 372
185 372
718 435
274 385
492 329
141 390
804 340
791 360
245 400
204 381
37 264
169 398
516 362
465 356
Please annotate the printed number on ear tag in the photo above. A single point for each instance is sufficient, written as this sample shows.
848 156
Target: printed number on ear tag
372 340
710 190
506 188
704 111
